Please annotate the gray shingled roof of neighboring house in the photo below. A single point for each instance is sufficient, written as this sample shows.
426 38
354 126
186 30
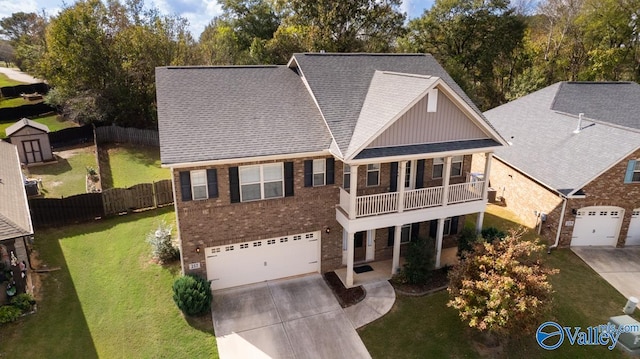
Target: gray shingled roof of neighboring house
388 94
24 123
614 102
225 112
544 145
340 83
15 220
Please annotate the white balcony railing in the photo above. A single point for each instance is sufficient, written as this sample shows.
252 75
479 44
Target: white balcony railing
382 203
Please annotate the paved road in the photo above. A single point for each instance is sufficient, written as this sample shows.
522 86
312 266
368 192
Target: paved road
18 75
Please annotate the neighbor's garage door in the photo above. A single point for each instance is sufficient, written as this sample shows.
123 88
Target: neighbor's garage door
256 261
633 235
597 226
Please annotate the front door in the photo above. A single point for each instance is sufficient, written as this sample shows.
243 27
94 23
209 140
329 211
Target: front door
359 252
32 152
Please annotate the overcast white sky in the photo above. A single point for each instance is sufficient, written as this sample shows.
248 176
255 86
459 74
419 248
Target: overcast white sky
198 12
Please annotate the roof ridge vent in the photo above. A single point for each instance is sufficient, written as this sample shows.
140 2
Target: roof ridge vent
579 127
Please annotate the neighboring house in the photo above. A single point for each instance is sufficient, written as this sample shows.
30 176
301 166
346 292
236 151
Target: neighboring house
576 178
328 161
32 140
15 220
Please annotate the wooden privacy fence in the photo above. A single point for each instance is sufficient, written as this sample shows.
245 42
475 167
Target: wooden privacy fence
46 212
109 134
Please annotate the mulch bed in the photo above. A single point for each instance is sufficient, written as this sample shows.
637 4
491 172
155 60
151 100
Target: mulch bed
346 297
437 281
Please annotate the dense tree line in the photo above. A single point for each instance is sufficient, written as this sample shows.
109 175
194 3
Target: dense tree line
100 56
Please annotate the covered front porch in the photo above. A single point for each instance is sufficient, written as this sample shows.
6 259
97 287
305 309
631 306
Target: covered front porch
382 269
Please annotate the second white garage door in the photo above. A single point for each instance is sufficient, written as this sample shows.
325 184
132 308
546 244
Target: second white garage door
256 261
597 226
633 235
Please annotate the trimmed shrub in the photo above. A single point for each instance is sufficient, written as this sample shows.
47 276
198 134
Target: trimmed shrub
162 248
419 261
467 238
490 234
192 294
23 301
9 313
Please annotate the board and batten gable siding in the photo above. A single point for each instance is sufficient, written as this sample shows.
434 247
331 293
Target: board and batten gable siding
417 126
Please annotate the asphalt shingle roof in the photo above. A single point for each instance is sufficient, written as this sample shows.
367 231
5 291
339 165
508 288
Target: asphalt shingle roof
613 102
24 123
212 113
340 82
15 220
544 145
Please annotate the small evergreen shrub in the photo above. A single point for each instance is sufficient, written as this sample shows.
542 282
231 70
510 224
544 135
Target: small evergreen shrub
23 301
162 247
466 240
490 234
9 313
192 294
419 261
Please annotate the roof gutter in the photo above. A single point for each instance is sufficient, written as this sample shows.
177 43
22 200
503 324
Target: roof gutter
227 161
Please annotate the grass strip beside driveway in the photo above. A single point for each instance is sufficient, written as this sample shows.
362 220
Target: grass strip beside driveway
108 300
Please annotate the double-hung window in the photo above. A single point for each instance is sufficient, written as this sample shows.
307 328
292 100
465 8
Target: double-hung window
346 176
373 174
261 182
405 233
456 167
319 172
199 184
636 172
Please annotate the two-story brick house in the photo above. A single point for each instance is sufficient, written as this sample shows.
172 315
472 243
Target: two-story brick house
330 160
573 168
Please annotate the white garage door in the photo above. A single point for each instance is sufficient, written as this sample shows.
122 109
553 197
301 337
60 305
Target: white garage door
633 235
597 226
256 261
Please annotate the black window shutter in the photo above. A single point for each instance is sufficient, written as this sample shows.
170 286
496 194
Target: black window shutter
288 179
234 185
308 173
185 185
330 170
393 177
392 232
415 230
212 182
454 225
433 228
420 174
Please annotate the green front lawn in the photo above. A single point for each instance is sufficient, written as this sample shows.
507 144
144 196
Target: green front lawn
52 121
425 327
125 165
67 177
6 81
108 299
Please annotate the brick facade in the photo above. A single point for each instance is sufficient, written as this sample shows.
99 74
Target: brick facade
217 221
523 196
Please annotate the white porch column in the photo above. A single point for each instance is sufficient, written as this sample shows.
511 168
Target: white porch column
400 185
439 235
485 189
446 173
350 245
397 238
353 194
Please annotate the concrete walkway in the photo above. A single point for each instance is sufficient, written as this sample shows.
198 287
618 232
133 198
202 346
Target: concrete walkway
378 301
618 266
16 74
289 318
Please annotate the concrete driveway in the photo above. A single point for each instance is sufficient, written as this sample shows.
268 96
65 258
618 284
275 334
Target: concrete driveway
618 266
288 318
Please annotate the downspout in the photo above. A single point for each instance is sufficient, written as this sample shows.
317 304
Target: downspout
564 207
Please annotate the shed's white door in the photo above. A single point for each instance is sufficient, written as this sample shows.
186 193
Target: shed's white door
256 261
633 235
597 226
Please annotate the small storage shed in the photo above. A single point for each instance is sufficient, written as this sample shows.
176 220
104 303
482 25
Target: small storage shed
32 140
